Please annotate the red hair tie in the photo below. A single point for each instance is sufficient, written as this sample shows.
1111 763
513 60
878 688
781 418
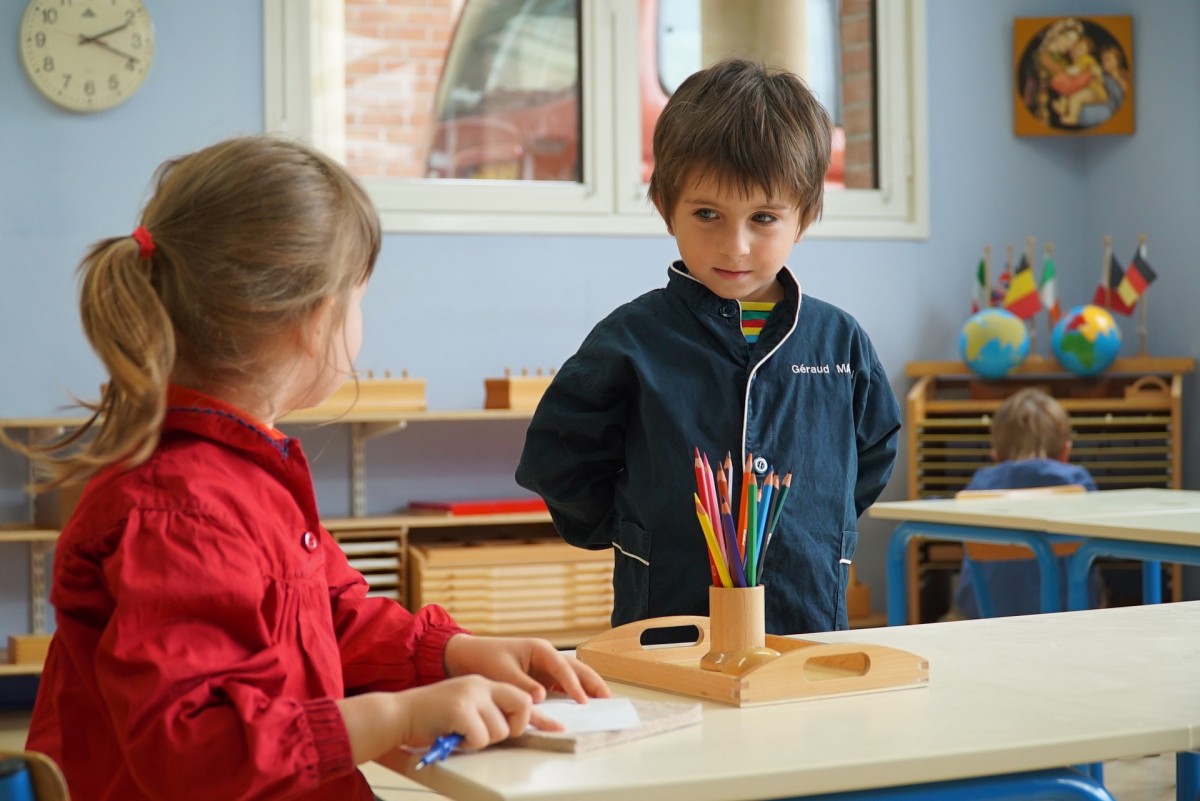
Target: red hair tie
145 242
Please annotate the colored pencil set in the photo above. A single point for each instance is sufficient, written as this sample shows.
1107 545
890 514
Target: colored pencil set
736 550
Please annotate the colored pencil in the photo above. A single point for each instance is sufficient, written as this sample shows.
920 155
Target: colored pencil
785 486
759 536
737 569
715 504
751 514
706 492
729 475
727 525
741 512
711 538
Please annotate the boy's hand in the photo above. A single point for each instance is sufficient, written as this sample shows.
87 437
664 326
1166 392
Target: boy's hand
532 664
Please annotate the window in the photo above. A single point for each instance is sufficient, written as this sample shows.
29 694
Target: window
535 116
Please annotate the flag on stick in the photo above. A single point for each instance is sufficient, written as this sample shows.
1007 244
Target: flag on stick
1048 286
981 298
1001 288
1138 276
1107 296
1022 296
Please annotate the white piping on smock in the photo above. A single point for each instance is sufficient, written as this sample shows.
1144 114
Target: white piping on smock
750 380
635 557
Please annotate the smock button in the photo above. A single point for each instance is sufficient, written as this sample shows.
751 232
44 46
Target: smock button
309 541
760 465
729 310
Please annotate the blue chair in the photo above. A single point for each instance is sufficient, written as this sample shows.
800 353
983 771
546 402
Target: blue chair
30 776
978 553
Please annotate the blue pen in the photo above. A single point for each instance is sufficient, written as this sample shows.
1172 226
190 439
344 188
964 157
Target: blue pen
440 749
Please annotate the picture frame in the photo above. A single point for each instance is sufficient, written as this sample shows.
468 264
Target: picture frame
1073 76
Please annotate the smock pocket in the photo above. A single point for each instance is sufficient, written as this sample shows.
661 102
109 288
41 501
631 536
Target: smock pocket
631 573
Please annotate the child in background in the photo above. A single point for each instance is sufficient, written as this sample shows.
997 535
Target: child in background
740 155
212 640
1031 442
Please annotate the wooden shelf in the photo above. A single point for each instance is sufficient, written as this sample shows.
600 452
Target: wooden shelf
412 521
1041 365
20 669
23 533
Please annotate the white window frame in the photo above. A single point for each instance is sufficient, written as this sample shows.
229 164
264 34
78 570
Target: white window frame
304 37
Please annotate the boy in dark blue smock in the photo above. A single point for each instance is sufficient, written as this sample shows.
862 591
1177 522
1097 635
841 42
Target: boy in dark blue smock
729 357
1031 442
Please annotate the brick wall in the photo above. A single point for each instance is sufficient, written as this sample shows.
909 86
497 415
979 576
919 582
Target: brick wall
394 55
858 92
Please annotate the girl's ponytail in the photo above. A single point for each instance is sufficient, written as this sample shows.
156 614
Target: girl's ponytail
130 330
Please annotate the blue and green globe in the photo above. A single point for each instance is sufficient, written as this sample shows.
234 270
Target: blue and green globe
993 342
1086 340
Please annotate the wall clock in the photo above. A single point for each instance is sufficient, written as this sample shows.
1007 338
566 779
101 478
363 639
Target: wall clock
86 55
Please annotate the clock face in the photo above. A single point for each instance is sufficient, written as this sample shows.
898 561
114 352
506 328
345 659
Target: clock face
87 55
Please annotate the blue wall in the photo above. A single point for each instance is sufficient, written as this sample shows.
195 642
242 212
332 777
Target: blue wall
517 301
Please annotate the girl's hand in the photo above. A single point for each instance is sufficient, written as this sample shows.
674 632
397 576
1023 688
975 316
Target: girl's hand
481 710
532 664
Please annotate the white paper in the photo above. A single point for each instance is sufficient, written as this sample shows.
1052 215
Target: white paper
598 714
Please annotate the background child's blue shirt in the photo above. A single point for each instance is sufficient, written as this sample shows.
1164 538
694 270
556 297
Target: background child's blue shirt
1013 585
1028 473
610 446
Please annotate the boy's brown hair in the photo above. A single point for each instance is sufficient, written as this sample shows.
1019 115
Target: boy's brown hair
1029 425
748 126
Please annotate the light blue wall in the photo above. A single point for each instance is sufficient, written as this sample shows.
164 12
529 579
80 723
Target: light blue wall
456 309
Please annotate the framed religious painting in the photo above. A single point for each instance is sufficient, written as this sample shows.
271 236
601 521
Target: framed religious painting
1073 75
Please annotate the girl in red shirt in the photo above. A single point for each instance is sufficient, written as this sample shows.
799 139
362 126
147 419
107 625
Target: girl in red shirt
212 641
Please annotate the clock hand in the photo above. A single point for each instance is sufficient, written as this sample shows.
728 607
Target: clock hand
89 39
111 49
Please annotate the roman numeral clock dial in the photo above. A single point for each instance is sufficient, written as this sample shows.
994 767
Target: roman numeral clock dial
86 55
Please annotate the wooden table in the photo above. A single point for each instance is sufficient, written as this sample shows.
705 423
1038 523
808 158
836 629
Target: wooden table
1006 696
1150 525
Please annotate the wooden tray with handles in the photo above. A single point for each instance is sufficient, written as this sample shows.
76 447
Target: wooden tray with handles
803 670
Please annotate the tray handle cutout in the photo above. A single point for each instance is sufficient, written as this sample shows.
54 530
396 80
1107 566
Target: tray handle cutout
837 666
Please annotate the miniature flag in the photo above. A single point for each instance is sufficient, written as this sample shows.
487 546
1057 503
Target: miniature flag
1022 296
981 299
1107 296
1137 278
1048 289
1001 288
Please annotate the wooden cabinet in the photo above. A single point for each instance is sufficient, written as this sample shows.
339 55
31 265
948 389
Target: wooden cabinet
1127 431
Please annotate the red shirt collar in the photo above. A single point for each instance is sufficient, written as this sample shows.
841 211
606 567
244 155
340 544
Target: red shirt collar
184 398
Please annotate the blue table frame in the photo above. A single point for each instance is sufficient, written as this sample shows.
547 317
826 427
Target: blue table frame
1037 541
1150 554
1064 784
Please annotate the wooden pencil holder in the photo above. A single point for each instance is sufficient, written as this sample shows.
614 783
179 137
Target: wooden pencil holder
737 640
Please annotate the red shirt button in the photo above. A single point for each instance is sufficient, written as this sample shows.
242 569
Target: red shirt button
309 540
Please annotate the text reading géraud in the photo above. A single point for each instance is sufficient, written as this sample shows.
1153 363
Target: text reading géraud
819 368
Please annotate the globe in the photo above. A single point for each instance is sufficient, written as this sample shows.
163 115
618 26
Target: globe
1086 340
993 342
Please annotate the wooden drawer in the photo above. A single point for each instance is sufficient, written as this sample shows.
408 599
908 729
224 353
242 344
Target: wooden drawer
379 554
536 587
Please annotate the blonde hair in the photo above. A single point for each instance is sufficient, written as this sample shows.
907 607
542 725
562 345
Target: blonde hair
250 236
1028 425
749 127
